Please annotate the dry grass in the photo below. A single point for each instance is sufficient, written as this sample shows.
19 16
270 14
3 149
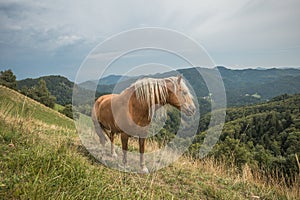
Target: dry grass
47 160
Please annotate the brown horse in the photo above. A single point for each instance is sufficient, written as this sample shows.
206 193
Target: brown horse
130 112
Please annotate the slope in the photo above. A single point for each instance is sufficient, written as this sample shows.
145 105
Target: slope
41 157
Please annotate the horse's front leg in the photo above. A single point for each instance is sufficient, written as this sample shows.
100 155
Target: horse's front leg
142 160
124 140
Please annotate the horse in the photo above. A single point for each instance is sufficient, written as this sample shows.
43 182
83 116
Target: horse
130 112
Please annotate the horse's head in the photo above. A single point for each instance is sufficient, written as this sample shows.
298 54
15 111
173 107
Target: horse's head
180 96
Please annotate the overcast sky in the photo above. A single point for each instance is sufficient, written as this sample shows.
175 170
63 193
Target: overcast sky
53 37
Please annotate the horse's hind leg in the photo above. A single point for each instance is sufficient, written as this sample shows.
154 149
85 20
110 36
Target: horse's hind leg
99 130
102 140
124 139
112 146
101 136
142 160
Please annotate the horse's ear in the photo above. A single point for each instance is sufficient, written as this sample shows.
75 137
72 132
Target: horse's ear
179 77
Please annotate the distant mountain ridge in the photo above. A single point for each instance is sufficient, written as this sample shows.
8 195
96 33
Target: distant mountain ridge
243 86
107 80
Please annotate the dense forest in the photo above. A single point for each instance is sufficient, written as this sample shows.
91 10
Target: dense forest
265 135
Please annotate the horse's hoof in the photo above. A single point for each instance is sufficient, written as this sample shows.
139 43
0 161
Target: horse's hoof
144 170
114 155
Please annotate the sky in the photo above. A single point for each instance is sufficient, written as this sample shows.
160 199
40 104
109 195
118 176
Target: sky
54 37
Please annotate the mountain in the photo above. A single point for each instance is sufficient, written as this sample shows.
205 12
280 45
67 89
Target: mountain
242 86
289 84
252 86
247 78
108 80
58 86
112 79
89 85
41 156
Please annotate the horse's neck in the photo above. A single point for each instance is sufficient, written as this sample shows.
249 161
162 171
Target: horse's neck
171 90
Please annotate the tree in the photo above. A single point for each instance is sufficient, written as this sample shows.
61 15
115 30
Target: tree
41 94
8 79
232 150
68 111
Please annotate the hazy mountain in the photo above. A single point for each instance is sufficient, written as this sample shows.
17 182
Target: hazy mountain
108 80
88 84
242 86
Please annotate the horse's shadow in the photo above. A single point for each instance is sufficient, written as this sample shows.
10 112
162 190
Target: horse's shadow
96 157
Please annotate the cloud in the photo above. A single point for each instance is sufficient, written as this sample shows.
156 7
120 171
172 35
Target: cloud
215 23
68 39
67 30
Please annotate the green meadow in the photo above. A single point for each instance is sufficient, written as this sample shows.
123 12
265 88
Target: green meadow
41 157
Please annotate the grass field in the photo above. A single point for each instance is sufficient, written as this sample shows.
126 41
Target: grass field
41 157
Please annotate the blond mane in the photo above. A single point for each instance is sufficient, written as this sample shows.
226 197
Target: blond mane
153 91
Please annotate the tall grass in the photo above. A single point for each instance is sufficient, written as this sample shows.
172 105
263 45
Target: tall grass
40 159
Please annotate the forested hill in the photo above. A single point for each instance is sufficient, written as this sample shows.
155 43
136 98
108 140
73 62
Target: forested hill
58 86
265 135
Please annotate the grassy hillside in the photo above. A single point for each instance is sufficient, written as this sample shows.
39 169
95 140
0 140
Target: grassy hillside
41 157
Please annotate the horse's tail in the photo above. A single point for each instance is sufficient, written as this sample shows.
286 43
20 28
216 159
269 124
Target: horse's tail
98 126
